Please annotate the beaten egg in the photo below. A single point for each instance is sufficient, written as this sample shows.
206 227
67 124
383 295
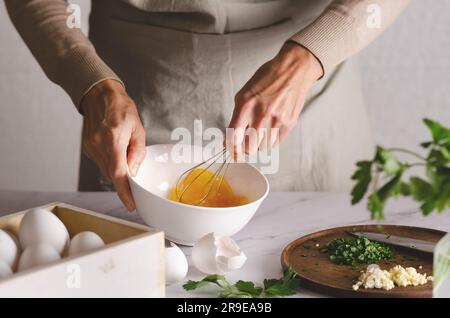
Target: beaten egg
221 194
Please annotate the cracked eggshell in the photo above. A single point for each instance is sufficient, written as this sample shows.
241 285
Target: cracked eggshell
84 242
214 254
5 270
42 226
176 264
9 248
36 255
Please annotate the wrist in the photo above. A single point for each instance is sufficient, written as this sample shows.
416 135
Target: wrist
102 90
302 58
107 86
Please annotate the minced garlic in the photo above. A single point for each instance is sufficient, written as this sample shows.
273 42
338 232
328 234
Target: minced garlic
408 276
375 277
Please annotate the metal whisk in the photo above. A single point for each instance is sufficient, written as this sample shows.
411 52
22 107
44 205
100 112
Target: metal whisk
218 176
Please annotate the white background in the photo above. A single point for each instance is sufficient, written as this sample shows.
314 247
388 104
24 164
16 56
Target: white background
406 76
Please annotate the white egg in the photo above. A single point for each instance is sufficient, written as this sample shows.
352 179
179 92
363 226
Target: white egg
36 255
5 270
84 242
176 264
214 254
9 249
42 226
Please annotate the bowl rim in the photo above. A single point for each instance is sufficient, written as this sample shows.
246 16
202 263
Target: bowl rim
261 198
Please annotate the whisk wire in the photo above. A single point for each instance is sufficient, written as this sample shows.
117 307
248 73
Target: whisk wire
215 177
216 174
225 173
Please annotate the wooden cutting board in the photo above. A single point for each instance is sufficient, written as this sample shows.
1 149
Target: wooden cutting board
318 273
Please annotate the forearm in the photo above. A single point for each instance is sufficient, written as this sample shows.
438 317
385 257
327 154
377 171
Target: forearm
65 54
345 28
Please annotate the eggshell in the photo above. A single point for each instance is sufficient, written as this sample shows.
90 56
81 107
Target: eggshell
36 255
229 255
214 254
9 249
42 226
5 270
176 264
84 242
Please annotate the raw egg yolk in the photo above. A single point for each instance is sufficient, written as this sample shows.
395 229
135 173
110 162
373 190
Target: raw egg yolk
220 192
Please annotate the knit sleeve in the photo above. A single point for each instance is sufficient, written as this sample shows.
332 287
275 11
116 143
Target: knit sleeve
347 26
65 54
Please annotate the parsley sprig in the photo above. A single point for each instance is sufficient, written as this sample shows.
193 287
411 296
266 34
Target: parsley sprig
355 251
433 191
285 286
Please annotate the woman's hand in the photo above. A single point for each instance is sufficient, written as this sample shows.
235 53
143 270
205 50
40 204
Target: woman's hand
273 98
113 135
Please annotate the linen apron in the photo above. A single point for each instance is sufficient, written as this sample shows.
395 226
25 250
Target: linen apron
183 60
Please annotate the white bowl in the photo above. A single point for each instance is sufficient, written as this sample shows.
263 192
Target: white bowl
186 224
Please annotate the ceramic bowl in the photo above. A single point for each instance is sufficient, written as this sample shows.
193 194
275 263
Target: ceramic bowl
182 223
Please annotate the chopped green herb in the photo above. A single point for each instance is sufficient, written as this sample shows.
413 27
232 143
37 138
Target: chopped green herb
354 251
307 246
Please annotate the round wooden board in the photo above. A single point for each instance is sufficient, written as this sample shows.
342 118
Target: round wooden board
317 272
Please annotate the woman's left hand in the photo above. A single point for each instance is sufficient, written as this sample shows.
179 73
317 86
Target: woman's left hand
273 98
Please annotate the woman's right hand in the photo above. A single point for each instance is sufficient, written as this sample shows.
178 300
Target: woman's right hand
113 135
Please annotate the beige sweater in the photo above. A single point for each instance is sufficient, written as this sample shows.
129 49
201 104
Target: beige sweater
70 60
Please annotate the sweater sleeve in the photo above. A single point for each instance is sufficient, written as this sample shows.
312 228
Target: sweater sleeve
65 54
347 26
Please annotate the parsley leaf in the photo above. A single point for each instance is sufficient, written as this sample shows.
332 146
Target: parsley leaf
439 133
248 287
219 280
363 176
432 193
379 198
285 286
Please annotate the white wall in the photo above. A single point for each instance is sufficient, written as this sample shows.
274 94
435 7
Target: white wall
39 127
406 76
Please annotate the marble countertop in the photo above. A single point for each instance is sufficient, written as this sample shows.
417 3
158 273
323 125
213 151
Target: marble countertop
282 218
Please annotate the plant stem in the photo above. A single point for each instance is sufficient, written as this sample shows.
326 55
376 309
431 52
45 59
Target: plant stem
417 164
375 181
412 153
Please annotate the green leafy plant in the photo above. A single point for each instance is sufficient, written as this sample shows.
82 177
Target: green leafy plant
433 191
355 251
285 286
